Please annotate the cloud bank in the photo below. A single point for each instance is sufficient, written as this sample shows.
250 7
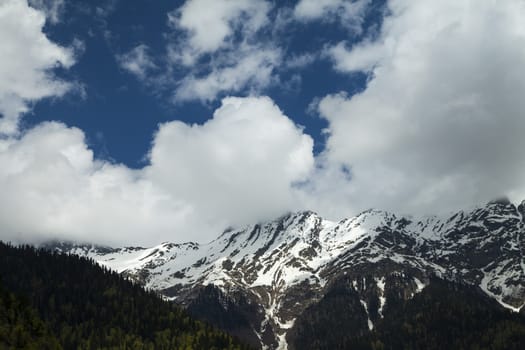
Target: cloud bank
239 167
439 125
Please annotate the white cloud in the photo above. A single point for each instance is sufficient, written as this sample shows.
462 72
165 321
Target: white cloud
210 24
247 68
53 188
310 9
239 166
53 9
440 123
300 61
349 13
137 61
28 60
362 57
219 45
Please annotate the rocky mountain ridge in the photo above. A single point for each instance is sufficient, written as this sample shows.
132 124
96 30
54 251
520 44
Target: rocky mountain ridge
262 277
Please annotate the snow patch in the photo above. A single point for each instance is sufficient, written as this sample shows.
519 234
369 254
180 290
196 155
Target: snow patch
380 282
370 324
419 285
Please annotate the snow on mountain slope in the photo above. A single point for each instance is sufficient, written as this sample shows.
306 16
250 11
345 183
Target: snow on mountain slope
285 265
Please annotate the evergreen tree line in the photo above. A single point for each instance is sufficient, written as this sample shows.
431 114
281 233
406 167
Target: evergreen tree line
56 301
21 327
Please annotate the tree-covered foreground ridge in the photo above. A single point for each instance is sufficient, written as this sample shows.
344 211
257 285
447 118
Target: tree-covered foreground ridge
59 301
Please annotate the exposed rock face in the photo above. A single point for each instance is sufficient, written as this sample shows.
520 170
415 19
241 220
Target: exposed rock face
266 275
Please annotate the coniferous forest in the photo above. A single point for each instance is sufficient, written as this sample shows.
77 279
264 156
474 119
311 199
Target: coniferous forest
57 301
445 315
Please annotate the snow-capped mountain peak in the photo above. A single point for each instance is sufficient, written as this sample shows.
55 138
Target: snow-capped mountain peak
286 264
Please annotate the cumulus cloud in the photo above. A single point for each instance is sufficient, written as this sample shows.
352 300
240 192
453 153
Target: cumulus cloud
28 60
53 188
239 166
439 125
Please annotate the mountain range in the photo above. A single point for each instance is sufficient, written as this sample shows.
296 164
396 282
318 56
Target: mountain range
260 282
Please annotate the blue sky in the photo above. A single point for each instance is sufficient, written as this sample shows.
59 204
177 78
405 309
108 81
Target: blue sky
137 122
112 97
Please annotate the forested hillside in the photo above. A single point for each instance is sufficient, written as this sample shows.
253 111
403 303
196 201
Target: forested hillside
444 315
21 327
54 301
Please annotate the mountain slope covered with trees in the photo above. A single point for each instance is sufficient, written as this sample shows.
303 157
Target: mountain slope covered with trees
444 315
54 301
21 327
